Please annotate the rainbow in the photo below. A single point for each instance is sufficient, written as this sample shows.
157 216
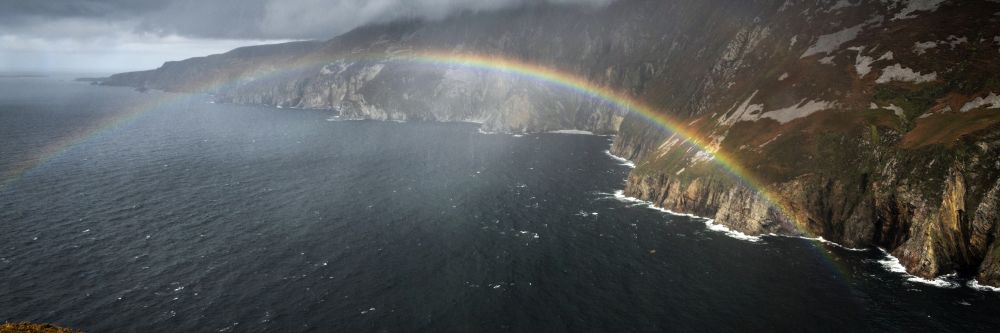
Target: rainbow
485 62
492 63
617 99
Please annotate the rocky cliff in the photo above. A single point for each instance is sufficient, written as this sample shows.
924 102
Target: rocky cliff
869 123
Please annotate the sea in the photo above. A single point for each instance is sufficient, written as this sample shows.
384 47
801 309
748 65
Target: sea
127 211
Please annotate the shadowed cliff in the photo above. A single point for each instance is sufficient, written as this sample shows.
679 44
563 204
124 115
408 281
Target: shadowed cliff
872 123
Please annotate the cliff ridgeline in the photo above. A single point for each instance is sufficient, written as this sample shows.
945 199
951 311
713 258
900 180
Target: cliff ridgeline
873 123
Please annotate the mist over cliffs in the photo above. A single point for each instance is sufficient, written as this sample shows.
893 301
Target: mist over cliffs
876 123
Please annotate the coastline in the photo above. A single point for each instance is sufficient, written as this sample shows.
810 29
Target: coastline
889 262
892 264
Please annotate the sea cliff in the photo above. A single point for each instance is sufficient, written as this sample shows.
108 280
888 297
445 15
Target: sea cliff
868 123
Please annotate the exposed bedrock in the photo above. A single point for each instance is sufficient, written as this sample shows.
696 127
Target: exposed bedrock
872 123
934 226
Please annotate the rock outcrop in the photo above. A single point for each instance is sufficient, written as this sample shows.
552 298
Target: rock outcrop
26 327
869 123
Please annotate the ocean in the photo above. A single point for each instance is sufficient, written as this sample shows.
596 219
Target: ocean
127 211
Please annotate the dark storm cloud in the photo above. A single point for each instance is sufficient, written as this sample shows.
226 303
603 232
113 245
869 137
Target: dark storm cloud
251 19
19 9
114 35
205 19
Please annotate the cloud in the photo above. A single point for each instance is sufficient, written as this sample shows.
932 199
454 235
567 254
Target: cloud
301 18
109 35
107 54
251 19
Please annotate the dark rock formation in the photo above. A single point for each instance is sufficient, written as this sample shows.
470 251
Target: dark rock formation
25 327
869 123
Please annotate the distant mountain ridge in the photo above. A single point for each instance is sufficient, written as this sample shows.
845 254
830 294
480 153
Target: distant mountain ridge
876 123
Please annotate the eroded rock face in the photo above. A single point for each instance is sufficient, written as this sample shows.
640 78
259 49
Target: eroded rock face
896 147
985 236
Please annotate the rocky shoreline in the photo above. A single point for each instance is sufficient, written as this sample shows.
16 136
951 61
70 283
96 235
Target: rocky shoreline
897 147
931 235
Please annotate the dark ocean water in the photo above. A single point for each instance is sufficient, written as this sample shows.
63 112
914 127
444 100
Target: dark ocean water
202 217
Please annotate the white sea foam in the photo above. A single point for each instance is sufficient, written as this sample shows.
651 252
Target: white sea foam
974 284
892 264
482 131
624 161
824 241
709 223
620 195
572 132
855 249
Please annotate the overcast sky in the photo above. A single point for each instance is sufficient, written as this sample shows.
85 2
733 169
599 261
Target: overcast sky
101 36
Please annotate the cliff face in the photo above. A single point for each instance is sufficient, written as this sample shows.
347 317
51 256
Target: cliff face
872 123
